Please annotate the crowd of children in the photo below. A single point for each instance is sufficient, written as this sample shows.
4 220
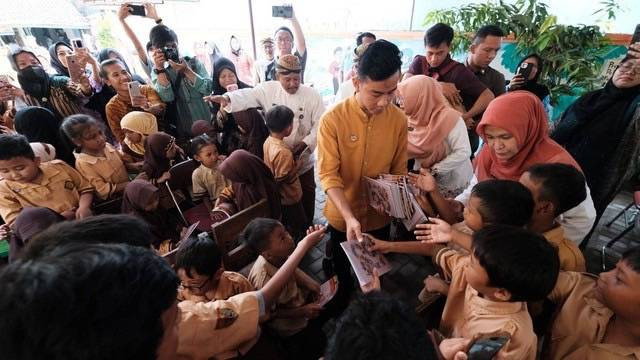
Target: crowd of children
102 266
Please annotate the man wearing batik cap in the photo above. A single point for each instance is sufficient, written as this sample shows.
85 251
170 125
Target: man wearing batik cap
260 67
347 89
306 104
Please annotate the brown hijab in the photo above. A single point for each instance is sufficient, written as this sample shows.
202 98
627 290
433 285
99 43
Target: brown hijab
251 181
156 162
255 130
137 196
30 222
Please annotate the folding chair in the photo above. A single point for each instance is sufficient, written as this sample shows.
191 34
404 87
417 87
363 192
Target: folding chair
236 255
629 223
181 180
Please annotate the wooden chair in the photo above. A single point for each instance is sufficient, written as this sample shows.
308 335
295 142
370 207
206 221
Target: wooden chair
181 180
236 255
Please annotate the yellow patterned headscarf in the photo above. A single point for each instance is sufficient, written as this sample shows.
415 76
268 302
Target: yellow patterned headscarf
142 123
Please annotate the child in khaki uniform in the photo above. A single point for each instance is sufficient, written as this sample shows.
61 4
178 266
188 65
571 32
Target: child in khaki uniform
280 159
27 182
556 188
599 317
296 305
199 266
97 161
208 181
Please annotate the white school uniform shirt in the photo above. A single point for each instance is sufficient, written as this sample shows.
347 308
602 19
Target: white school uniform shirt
306 105
576 222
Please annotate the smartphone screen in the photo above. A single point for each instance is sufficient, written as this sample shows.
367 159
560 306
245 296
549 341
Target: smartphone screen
636 35
282 11
486 348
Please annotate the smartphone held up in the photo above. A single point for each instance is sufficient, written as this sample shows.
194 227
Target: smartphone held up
285 11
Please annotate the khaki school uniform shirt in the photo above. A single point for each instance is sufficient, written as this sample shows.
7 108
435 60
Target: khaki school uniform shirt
221 329
279 158
467 314
103 172
230 284
292 296
58 188
571 258
581 323
208 182
352 145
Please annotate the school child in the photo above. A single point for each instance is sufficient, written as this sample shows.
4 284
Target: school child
27 182
599 316
96 160
556 188
208 181
137 126
160 153
280 159
296 305
202 277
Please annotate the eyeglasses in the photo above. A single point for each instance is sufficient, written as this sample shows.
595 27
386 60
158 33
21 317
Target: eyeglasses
198 288
629 68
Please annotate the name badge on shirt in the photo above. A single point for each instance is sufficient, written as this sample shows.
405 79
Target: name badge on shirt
353 137
69 185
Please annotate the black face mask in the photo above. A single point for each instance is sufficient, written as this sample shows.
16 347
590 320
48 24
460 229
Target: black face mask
34 81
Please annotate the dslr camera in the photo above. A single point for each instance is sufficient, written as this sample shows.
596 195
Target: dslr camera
170 53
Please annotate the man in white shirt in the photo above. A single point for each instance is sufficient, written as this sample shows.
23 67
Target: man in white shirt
260 67
306 104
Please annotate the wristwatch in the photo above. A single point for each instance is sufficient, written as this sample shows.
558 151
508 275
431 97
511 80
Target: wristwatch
159 71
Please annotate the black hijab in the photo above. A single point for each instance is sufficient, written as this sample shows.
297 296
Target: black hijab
540 90
55 62
219 65
38 124
33 79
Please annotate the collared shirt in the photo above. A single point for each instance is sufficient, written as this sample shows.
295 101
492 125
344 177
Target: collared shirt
208 182
575 292
467 314
118 107
220 329
352 145
292 296
466 82
230 284
306 105
571 258
279 158
103 172
191 106
58 188
491 77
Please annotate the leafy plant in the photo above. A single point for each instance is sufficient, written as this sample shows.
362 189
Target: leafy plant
572 54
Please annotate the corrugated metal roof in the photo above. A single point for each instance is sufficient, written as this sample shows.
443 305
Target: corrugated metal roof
42 13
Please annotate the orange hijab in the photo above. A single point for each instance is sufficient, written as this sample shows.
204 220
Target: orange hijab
522 114
430 117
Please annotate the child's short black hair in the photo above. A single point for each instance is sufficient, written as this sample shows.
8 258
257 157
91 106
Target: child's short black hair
200 254
380 61
632 258
75 125
562 184
438 34
13 146
278 118
504 202
197 143
363 35
256 234
518 260
377 326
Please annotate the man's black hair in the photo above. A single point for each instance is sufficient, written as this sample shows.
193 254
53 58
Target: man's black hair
377 326
562 184
257 233
380 61
278 118
364 35
632 258
438 34
200 254
518 260
13 146
86 301
103 71
161 35
285 29
487 30
101 229
505 202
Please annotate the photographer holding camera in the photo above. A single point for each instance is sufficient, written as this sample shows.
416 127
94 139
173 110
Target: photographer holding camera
181 82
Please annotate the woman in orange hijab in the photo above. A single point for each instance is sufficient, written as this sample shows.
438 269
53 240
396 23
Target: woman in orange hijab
437 137
516 136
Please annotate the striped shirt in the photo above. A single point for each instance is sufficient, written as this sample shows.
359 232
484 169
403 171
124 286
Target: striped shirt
63 98
119 106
